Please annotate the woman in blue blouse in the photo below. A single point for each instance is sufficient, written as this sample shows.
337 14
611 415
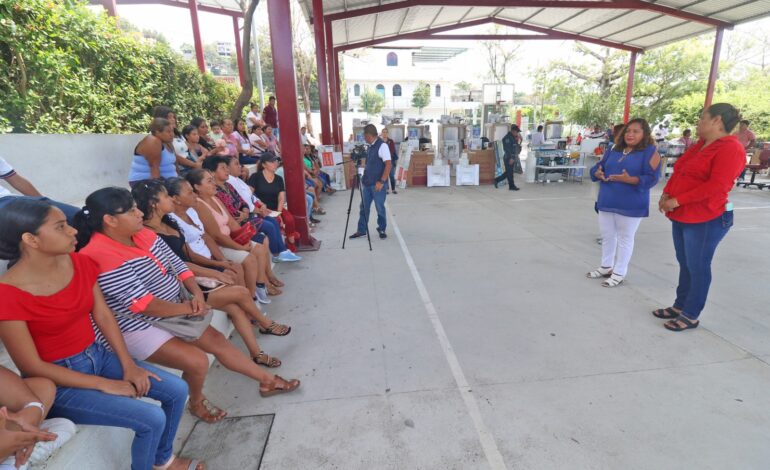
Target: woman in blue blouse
154 155
625 174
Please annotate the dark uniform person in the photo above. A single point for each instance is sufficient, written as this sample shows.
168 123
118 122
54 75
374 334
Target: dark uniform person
512 149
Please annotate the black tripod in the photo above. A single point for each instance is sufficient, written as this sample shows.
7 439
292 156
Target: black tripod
356 183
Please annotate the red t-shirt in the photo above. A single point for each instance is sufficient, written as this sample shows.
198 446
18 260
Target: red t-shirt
702 179
60 324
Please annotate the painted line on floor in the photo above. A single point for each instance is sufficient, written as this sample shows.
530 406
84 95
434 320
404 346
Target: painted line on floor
750 208
488 444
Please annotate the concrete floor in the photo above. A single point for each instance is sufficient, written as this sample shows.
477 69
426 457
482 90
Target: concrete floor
561 373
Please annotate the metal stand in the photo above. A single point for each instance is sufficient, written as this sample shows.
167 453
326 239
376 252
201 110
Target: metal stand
357 183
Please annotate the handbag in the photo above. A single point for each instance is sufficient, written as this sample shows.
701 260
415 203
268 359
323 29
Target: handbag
185 327
244 234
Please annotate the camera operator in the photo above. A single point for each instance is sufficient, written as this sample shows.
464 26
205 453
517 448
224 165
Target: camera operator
374 182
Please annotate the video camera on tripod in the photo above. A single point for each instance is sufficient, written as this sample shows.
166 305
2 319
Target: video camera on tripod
359 152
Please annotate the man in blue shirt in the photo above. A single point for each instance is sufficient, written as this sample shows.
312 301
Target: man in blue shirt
374 183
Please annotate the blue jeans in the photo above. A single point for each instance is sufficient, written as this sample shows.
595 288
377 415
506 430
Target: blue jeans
69 211
309 199
695 245
247 160
154 426
392 176
368 195
272 228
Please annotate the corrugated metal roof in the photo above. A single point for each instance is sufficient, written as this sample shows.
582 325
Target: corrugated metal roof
636 25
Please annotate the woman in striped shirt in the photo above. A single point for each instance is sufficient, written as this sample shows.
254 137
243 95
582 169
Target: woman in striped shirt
140 277
152 199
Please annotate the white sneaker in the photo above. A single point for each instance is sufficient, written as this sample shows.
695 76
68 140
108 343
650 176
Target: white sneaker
262 295
64 430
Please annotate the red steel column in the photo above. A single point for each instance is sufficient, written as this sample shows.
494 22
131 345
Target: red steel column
629 87
336 138
279 17
320 58
238 51
193 6
714 73
336 63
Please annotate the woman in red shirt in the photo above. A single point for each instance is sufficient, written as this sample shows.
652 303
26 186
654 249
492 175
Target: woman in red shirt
48 299
695 199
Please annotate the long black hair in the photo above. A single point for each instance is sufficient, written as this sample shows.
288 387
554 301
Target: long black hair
647 140
105 201
146 194
17 218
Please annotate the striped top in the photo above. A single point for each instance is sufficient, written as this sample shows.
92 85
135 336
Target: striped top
133 276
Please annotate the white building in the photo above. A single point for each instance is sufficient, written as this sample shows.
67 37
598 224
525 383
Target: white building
395 72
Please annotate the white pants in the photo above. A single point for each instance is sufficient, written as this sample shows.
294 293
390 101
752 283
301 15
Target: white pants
618 233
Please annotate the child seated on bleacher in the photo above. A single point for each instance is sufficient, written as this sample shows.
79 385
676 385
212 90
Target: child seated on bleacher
48 299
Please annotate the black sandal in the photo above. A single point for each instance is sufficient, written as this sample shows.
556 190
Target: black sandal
274 328
674 325
667 313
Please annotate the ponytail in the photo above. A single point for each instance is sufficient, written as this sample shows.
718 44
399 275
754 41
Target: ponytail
105 201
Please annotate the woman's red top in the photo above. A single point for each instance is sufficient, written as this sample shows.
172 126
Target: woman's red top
60 324
702 179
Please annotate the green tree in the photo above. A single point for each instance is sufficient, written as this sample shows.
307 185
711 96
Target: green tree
421 96
372 102
69 70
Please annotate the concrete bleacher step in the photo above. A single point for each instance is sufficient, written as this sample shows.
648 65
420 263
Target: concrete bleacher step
101 447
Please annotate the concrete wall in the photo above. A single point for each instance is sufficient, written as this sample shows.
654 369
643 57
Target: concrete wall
68 167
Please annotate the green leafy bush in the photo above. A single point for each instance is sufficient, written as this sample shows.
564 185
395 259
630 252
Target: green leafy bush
66 69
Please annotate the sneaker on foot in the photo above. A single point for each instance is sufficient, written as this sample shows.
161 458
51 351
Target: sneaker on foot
314 220
64 430
286 257
262 295
357 235
383 235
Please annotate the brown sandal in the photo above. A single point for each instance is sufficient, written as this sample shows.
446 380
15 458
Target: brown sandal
213 413
274 291
280 385
276 329
277 282
263 359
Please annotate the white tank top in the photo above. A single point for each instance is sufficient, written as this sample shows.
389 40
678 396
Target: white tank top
193 234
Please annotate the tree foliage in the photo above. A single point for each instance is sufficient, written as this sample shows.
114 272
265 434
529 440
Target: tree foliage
372 102
421 96
69 70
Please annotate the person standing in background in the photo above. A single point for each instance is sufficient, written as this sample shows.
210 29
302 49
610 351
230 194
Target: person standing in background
270 114
747 139
393 157
538 138
512 148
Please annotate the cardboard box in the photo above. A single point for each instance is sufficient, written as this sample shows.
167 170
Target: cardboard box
418 168
485 159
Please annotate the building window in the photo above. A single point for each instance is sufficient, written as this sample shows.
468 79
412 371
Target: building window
381 90
438 90
392 59
356 90
396 90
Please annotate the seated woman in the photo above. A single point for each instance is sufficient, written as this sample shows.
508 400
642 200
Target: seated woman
269 188
204 139
154 156
203 249
141 278
247 154
313 164
239 210
196 153
257 139
26 437
273 145
48 300
156 205
178 144
219 225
